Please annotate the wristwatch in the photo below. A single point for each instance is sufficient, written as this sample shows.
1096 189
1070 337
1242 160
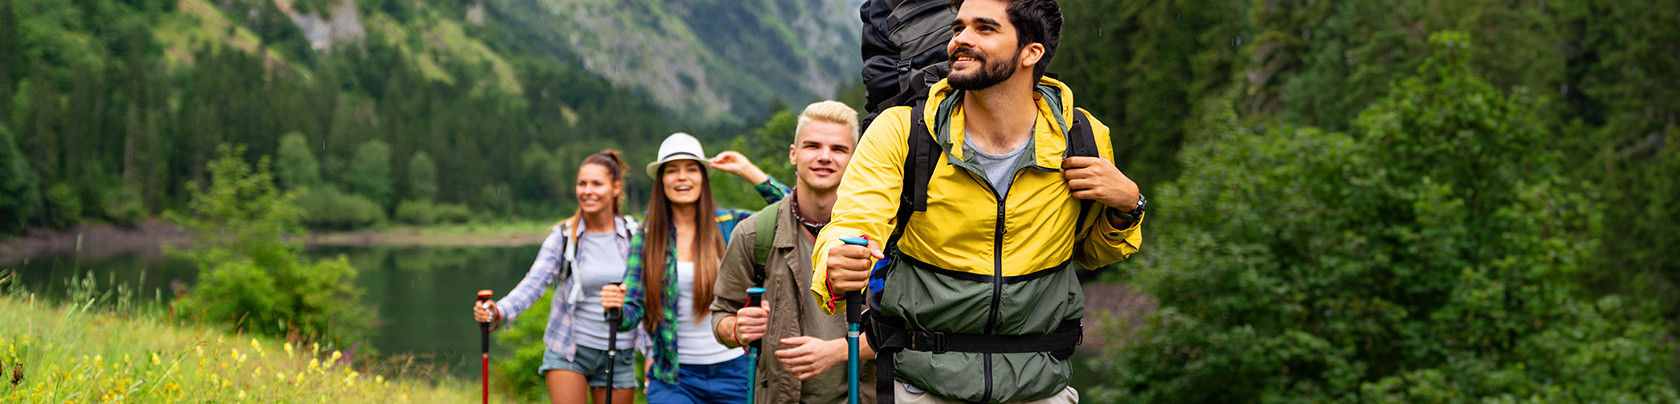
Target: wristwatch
1135 214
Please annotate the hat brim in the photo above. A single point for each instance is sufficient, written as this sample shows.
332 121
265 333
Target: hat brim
653 168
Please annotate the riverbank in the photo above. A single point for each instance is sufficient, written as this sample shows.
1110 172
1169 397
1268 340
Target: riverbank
148 238
65 353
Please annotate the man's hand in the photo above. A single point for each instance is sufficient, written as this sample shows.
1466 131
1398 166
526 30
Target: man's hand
734 163
808 356
848 265
1099 180
751 323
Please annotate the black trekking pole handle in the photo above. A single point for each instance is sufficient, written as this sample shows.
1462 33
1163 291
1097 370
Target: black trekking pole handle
614 316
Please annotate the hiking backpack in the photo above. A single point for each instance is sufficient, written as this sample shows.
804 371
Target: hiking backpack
903 50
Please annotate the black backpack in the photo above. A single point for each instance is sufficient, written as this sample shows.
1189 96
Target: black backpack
903 51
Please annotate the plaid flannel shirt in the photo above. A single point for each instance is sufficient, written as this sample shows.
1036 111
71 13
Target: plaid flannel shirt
664 334
563 314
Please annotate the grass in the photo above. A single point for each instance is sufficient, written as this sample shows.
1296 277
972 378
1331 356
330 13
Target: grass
82 352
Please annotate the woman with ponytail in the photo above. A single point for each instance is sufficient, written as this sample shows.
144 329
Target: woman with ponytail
582 254
672 267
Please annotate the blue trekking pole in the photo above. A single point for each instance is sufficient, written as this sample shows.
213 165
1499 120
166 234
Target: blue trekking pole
854 316
755 298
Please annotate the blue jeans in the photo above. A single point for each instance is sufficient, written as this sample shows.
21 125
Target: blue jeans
720 383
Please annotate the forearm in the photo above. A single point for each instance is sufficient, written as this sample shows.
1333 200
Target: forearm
725 332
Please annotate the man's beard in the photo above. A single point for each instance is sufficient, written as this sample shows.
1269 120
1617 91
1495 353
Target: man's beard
989 74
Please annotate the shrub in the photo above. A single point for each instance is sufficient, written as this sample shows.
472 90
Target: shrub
524 337
64 203
370 172
416 212
295 165
20 197
422 177
327 207
252 275
453 213
1428 258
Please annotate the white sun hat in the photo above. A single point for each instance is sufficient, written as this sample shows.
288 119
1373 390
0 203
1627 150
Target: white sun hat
678 146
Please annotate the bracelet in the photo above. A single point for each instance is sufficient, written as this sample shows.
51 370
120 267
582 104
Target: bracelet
738 332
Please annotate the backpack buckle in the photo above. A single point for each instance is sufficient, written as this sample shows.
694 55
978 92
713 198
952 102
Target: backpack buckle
927 341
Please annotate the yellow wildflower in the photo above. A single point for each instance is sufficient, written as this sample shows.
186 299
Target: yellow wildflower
155 360
314 363
288 346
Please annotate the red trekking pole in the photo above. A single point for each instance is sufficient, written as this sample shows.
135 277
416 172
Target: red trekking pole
484 328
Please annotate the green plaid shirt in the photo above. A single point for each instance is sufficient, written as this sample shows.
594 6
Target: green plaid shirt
665 331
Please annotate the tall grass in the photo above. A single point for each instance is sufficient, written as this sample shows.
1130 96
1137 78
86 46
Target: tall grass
111 346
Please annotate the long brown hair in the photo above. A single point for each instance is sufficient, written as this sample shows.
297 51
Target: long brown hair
708 249
610 159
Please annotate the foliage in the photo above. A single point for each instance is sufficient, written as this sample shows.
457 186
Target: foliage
1141 66
251 274
1430 256
370 172
767 147
329 208
294 165
422 177
524 338
20 196
71 353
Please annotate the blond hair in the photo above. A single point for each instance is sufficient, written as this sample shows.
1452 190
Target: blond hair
828 111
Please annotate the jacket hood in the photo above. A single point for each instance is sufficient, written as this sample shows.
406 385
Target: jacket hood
1055 105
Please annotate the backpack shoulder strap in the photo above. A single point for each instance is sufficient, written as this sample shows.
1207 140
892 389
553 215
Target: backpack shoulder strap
765 233
1082 142
919 162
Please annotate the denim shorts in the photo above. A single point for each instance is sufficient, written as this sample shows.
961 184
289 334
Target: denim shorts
592 364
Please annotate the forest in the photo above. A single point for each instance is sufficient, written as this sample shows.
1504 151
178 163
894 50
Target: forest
1352 201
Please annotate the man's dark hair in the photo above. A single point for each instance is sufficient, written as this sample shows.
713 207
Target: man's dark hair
1035 21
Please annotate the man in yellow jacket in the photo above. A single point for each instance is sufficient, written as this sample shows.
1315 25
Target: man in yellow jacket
976 303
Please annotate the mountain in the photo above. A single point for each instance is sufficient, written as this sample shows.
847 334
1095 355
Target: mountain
712 59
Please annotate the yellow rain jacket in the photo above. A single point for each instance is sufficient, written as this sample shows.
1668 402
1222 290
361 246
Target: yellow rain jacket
976 262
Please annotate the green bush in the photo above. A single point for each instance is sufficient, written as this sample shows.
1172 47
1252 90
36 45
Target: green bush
65 204
416 212
524 337
20 197
422 177
453 213
1428 257
327 207
370 173
252 274
295 166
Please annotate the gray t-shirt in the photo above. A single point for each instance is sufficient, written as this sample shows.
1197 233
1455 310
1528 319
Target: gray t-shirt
599 262
1000 169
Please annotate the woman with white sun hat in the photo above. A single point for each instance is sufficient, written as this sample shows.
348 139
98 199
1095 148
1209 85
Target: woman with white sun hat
672 265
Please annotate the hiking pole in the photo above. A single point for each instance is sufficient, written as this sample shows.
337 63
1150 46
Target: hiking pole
484 329
755 298
854 316
614 316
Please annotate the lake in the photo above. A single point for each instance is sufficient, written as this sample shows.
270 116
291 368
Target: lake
420 298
